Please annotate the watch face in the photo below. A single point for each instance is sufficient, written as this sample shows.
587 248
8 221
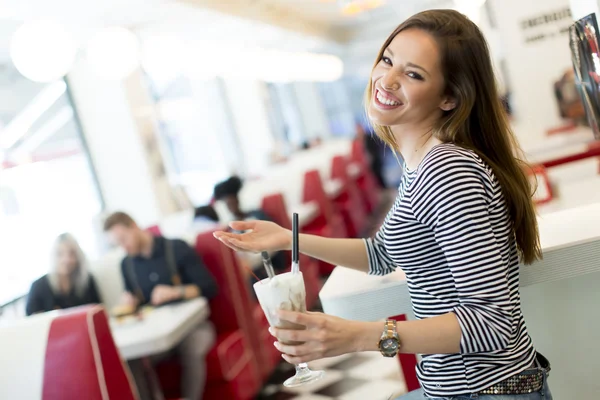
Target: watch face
389 346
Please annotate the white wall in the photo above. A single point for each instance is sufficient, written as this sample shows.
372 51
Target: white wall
581 8
533 67
562 320
114 143
251 123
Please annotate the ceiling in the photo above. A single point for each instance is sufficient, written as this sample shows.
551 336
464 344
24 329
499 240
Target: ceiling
295 25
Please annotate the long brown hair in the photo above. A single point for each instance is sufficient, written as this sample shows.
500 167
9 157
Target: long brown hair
478 122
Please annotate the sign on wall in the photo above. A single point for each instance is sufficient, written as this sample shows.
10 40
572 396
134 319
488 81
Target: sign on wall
546 25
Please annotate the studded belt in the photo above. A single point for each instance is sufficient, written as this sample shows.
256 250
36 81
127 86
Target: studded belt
529 381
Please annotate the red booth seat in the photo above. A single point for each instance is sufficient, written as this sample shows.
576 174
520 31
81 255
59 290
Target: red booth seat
62 355
369 189
236 308
329 221
349 200
235 367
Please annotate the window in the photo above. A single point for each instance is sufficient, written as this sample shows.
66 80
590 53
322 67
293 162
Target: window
198 139
338 108
285 105
47 184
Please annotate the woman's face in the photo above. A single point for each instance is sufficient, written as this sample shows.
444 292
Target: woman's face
66 259
408 83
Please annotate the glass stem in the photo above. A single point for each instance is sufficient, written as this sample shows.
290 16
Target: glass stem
302 369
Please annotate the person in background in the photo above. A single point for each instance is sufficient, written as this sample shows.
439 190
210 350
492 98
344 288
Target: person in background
206 213
228 192
68 284
374 147
158 271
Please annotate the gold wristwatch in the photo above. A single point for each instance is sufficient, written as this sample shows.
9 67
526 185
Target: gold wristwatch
389 344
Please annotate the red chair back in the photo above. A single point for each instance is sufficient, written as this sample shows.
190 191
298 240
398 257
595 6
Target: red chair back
314 191
155 230
229 307
78 355
358 154
274 206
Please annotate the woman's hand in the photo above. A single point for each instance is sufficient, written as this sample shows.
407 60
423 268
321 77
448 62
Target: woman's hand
261 236
325 336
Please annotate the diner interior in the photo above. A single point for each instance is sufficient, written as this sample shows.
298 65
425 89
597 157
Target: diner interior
186 115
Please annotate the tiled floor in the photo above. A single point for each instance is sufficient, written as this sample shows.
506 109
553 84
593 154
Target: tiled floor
349 377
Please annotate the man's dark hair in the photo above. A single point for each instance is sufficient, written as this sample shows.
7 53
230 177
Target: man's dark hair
118 218
230 187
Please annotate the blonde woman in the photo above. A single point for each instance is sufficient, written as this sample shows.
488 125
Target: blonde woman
68 284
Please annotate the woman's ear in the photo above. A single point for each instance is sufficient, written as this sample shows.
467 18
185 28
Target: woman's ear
448 103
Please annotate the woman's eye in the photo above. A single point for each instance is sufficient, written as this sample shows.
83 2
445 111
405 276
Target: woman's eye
414 75
386 60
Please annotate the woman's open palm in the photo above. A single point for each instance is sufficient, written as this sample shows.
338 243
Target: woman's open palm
258 236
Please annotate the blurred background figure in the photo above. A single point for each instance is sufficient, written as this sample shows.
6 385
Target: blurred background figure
228 192
158 271
68 284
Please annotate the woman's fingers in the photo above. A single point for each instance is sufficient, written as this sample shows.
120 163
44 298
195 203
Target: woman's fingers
221 234
242 225
300 359
228 243
298 318
298 351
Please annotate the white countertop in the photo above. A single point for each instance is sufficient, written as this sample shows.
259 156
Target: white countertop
570 242
160 330
569 227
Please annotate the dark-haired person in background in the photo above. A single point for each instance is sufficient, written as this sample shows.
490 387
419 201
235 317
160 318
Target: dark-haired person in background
68 284
158 271
228 192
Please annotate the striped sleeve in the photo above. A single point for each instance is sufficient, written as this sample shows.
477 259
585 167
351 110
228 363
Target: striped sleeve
452 200
380 263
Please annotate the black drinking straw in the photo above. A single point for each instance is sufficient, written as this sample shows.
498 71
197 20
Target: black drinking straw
295 252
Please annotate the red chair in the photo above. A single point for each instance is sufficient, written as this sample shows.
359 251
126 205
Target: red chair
62 355
349 200
329 222
366 182
274 206
235 307
539 176
155 230
232 364
595 146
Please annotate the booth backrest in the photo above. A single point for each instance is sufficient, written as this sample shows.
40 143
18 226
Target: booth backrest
107 272
63 355
229 309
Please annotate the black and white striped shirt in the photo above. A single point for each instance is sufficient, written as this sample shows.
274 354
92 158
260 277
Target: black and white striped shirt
449 231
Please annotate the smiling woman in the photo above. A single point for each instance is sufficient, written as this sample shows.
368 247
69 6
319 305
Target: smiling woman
462 223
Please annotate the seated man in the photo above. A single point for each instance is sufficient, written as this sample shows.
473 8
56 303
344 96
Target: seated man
228 191
157 271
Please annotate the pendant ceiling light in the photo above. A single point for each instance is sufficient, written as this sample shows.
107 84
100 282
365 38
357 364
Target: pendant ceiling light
42 50
354 7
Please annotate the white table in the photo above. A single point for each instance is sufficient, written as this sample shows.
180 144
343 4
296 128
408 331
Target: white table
306 212
354 170
160 330
570 241
333 187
